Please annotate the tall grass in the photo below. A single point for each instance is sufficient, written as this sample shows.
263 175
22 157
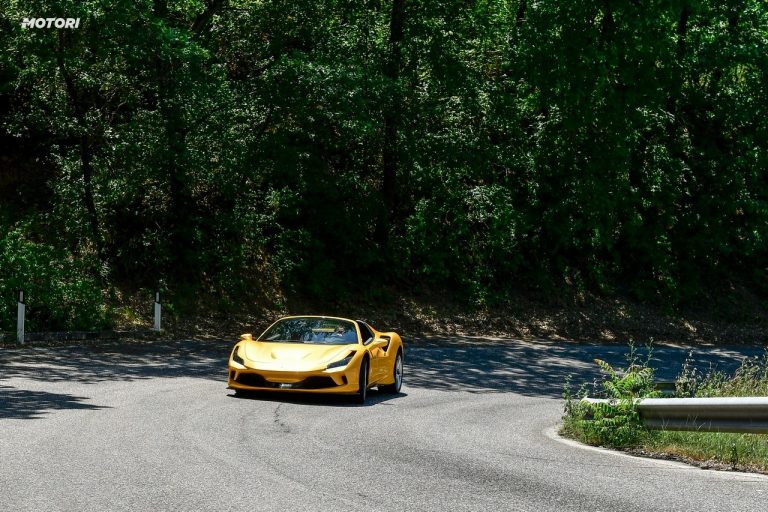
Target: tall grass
750 379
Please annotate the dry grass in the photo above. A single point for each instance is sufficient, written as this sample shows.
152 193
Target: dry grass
745 452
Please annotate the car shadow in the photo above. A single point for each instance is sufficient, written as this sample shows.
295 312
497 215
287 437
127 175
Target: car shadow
375 397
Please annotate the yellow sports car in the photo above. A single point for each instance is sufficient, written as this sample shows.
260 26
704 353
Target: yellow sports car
318 354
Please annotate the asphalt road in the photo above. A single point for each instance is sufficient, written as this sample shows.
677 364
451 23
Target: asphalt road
153 427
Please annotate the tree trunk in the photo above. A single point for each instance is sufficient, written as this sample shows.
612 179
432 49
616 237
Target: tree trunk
606 26
179 223
682 30
520 18
90 205
86 151
733 22
390 149
203 20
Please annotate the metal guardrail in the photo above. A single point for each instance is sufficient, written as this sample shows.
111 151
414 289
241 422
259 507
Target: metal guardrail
731 414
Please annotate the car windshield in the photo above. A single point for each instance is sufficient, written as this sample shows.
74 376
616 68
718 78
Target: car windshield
329 331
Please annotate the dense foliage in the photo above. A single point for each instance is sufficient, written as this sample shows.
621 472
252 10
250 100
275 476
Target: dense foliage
617 424
236 148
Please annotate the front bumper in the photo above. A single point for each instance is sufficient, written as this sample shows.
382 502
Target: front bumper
343 381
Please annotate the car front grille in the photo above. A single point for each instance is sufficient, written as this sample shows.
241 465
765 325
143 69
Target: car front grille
257 381
316 383
251 379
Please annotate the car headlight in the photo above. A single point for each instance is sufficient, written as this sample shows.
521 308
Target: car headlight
341 363
236 357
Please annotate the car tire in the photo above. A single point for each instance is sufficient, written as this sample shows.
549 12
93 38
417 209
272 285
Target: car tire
362 392
397 373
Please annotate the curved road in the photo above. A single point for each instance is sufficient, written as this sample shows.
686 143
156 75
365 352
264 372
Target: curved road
152 427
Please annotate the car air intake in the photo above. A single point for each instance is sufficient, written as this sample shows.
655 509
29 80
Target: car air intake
252 379
315 383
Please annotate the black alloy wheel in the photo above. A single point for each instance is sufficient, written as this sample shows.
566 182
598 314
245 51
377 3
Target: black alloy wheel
362 392
397 374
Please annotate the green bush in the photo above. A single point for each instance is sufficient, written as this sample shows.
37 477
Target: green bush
61 290
615 424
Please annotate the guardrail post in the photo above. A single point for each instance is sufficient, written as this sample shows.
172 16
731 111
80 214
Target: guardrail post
158 311
21 311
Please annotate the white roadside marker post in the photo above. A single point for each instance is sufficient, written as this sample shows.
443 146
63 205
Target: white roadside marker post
157 312
21 311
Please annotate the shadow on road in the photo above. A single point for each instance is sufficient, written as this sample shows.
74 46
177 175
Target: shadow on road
23 404
534 367
374 398
512 366
117 362
541 367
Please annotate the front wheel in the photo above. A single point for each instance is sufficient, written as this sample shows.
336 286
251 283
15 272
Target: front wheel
362 392
397 374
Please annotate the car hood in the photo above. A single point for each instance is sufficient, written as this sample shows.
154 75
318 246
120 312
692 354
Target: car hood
293 357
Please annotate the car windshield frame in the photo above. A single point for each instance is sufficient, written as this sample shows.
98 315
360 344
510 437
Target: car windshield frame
313 330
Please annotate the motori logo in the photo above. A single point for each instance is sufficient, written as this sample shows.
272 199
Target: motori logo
50 22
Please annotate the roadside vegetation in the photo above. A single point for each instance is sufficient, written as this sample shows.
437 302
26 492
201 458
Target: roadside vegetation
249 152
618 425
